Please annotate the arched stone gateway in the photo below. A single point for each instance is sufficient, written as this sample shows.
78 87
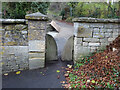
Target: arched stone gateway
51 48
67 53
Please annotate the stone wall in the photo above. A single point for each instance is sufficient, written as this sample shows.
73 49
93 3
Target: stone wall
14 45
92 34
23 43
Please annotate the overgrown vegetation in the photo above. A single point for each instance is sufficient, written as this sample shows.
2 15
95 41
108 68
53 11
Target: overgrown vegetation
100 70
18 10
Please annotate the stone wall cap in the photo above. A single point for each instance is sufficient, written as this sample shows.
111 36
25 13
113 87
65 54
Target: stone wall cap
36 16
11 21
95 20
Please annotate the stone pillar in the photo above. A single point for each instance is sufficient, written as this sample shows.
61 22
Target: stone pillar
36 39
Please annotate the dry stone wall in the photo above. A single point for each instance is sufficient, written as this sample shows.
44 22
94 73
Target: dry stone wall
92 34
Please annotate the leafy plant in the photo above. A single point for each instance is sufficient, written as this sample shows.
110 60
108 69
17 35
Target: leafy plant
18 10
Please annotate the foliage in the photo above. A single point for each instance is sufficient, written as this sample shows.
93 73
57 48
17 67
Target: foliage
95 9
18 10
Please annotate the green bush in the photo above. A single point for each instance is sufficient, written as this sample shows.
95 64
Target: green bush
94 9
18 10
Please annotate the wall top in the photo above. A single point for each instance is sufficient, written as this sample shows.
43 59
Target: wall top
95 20
36 16
11 21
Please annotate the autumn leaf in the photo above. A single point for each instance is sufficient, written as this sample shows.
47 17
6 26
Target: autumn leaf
18 72
58 71
93 81
6 74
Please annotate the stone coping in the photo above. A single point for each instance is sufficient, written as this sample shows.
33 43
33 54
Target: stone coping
95 20
12 21
36 16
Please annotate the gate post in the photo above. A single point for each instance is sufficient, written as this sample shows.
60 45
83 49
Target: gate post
36 39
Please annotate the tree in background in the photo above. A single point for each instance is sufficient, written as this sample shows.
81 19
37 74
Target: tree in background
18 10
95 9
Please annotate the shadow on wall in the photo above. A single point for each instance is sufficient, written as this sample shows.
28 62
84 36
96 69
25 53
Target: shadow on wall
51 48
67 53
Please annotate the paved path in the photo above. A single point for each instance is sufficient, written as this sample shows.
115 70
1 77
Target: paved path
36 79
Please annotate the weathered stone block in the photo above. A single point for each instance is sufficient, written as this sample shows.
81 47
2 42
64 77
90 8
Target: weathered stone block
111 39
14 56
98 35
36 35
36 63
116 30
104 40
24 32
80 52
96 25
109 25
91 40
36 55
108 35
37 45
85 25
94 44
93 49
109 30
9 27
77 40
84 32
36 25
103 30
21 27
104 44
85 44
96 30
115 35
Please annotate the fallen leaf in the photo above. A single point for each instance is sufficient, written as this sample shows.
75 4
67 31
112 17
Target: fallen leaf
6 74
66 75
62 82
18 72
41 72
88 81
58 71
93 81
69 66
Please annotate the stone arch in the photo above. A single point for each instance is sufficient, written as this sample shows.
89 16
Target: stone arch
51 48
67 53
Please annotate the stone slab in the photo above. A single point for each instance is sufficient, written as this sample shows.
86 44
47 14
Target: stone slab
84 32
37 45
36 55
36 63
